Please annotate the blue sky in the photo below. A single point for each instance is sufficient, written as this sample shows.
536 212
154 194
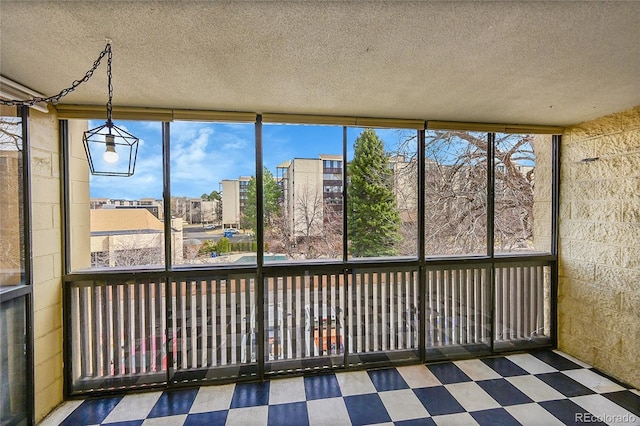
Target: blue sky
203 154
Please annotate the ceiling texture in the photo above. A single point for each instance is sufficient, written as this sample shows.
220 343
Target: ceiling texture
547 63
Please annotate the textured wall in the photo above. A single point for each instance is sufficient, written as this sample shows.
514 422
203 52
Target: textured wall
599 289
79 199
47 260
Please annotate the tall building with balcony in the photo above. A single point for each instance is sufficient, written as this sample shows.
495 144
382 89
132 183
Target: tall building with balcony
311 192
234 198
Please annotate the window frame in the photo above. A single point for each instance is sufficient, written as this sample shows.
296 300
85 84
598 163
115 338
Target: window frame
25 290
421 257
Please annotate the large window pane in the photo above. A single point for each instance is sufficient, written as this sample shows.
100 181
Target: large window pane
303 185
382 192
117 222
455 193
13 363
11 212
210 168
522 193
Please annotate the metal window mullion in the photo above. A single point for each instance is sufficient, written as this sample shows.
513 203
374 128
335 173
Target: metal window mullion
491 137
555 191
345 195
556 142
422 272
260 293
166 193
28 266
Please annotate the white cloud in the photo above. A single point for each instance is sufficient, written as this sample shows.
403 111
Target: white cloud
203 154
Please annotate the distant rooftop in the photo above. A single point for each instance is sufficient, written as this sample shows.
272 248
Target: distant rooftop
124 220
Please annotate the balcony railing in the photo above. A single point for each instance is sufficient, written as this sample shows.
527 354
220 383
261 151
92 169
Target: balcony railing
132 332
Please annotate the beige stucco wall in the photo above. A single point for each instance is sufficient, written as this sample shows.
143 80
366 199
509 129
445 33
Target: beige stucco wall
47 261
599 285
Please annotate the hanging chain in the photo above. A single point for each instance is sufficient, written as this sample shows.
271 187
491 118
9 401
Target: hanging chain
56 98
109 75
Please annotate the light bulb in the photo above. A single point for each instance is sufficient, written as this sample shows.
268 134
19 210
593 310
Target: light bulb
110 155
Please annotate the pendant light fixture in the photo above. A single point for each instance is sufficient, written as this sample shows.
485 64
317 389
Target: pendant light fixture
110 150
115 148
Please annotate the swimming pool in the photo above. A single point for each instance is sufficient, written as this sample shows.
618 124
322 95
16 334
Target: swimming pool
267 258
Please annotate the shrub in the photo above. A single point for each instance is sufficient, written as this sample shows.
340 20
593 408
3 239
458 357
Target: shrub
223 246
207 247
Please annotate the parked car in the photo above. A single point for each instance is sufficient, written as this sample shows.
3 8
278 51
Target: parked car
232 230
210 226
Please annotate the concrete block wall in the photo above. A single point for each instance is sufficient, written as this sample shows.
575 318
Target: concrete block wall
47 260
79 198
599 246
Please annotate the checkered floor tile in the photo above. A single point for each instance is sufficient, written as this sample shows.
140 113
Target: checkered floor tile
540 388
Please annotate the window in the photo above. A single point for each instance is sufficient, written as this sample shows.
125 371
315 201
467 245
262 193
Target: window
382 211
210 163
15 303
455 193
120 222
302 192
110 228
522 220
11 198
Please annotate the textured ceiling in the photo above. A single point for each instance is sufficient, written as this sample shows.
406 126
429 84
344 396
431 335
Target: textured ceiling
554 63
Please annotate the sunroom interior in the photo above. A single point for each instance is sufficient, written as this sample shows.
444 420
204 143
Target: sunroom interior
502 214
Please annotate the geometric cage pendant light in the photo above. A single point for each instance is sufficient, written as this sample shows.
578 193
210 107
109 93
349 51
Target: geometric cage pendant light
111 151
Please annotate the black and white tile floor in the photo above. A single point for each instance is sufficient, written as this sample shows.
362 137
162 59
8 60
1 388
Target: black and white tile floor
540 388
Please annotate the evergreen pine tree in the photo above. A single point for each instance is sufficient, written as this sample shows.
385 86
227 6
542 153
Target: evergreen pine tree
373 221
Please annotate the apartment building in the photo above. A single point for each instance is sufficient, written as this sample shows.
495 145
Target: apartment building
311 192
234 196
